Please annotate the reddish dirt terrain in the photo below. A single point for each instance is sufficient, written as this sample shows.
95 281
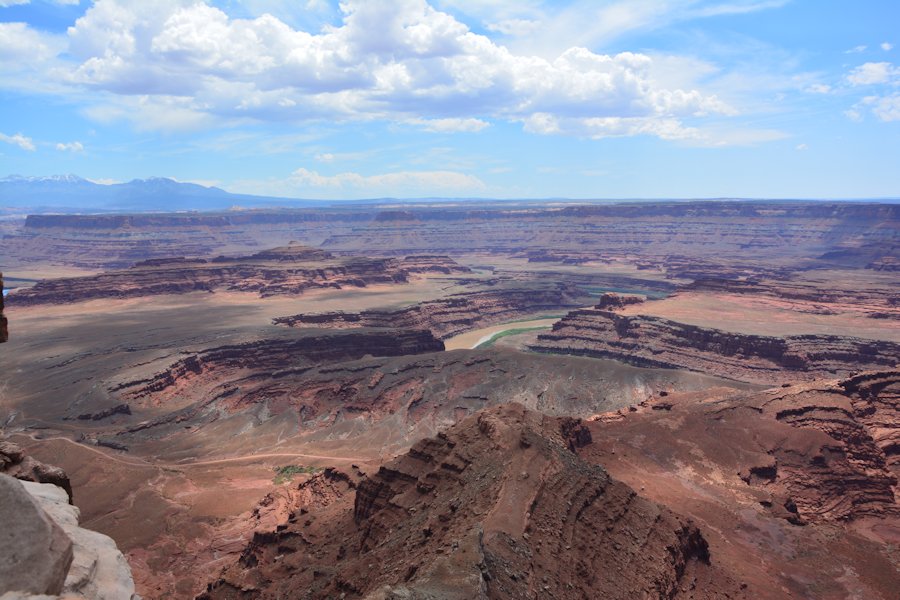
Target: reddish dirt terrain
496 507
783 494
170 432
795 487
290 413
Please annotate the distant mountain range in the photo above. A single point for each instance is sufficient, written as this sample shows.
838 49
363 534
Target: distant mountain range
71 192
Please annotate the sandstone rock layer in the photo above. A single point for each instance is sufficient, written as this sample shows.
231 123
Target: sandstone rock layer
289 270
454 314
655 342
498 507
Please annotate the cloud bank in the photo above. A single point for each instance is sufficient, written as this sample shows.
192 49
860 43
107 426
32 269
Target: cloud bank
181 64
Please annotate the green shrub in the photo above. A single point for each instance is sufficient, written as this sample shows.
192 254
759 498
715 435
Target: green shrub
286 473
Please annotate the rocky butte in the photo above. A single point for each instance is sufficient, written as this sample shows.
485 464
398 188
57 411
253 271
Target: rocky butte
499 506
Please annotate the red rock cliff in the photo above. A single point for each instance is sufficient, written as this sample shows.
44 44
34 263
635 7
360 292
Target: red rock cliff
496 507
654 342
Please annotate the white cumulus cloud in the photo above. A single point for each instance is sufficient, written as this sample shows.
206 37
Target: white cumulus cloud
400 180
181 64
7 3
305 182
23 142
872 73
449 125
22 47
887 46
515 27
884 104
886 108
70 147
819 88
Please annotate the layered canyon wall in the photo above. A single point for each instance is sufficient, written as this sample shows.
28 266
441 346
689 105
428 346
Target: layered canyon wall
655 342
668 235
496 507
454 314
289 270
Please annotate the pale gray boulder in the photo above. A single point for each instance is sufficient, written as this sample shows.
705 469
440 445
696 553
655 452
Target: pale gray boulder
99 571
35 553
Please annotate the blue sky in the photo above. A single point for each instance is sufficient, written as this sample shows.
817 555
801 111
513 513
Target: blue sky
455 98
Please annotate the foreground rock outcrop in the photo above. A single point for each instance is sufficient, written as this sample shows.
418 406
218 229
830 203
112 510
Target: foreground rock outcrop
35 553
44 552
655 342
16 463
497 507
454 314
98 571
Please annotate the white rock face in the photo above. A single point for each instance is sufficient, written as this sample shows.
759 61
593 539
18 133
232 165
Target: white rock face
35 552
99 570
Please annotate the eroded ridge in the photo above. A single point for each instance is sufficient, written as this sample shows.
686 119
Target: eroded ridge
287 270
496 507
271 359
655 342
455 314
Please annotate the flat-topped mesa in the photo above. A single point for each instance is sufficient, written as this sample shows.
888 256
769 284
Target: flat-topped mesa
498 506
611 301
674 236
433 263
169 262
878 301
567 258
293 252
655 342
289 270
4 330
453 314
